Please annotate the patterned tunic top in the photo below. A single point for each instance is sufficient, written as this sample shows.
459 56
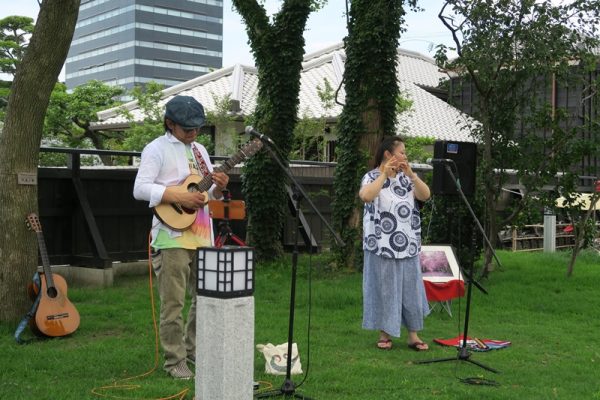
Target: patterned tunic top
392 222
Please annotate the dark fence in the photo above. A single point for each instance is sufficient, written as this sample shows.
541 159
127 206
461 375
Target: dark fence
90 218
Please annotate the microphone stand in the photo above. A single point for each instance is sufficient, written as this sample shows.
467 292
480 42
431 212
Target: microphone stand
463 352
288 388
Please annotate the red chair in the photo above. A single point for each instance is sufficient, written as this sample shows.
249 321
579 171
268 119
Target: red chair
444 292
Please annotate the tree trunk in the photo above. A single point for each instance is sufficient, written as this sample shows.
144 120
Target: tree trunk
492 233
369 111
99 145
581 232
574 254
278 49
490 225
373 130
19 149
371 119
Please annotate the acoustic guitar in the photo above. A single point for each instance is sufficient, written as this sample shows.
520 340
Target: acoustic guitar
55 315
178 217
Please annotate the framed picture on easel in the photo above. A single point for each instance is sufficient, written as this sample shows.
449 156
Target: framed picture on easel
439 264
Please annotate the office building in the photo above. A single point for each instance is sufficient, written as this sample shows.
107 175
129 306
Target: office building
131 42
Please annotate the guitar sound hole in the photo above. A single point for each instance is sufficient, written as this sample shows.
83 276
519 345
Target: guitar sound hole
52 292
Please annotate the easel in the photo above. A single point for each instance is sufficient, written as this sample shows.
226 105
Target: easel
443 305
227 210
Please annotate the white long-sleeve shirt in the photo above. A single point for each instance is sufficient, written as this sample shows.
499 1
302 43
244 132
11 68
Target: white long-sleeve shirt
165 163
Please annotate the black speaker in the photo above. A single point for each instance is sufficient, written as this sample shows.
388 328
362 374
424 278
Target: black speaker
464 155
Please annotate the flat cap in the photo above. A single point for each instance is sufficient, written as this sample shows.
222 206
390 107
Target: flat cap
185 111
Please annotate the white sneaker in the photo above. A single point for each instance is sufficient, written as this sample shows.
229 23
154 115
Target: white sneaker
181 371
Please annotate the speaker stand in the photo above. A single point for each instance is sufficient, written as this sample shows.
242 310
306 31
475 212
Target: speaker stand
463 352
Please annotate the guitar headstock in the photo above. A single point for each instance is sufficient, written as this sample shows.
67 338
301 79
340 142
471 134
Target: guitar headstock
33 223
252 147
247 150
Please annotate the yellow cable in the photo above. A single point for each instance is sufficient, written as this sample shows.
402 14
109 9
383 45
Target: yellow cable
116 385
268 386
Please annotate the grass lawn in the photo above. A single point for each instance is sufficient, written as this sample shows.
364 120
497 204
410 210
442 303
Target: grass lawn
552 321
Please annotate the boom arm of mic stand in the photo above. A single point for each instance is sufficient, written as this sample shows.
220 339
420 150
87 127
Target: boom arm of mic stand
277 159
464 198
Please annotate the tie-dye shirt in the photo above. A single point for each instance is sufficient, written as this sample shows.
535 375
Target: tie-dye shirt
198 235
166 162
392 222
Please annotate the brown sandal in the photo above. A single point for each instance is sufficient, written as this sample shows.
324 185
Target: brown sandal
384 344
418 346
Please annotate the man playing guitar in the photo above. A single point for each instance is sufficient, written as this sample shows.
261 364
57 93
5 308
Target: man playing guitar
166 162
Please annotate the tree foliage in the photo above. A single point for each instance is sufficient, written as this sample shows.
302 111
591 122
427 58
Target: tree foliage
4 93
70 115
147 99
20 139
277 44
311 134
511 53
370 107
14 33
14 36
140 134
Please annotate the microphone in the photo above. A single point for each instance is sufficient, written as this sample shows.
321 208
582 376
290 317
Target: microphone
253 132
438 161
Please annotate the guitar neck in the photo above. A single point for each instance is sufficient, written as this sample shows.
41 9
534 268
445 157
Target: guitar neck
206 182
45 259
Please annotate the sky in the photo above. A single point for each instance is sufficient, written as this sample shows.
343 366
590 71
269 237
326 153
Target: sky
324 27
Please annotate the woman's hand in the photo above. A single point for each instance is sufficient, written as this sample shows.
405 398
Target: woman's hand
390 167
405 167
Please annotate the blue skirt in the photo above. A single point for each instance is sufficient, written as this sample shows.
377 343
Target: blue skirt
393 294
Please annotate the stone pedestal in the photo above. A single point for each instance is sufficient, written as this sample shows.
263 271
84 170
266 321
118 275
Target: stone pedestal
224 348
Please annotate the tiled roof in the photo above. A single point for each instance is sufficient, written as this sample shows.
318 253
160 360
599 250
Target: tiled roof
429 116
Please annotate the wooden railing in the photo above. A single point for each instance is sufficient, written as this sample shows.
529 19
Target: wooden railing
531 238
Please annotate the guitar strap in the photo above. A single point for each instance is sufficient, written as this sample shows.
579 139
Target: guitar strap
200 163
31 313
